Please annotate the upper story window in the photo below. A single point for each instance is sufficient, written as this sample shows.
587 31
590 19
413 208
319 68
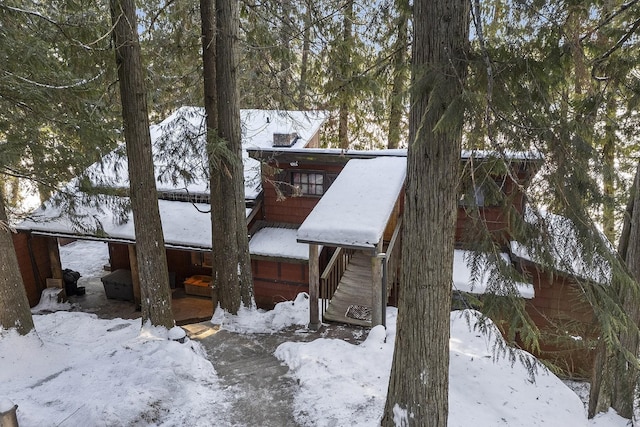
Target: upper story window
488 193
308 183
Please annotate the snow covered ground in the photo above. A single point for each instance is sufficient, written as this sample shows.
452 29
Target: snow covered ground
81 370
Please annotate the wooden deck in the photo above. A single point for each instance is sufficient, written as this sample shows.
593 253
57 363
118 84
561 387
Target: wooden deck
354 291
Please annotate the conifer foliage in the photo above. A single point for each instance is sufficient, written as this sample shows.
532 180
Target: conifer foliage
56 114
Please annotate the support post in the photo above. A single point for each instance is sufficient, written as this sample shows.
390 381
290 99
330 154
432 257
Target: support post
54 258
378 303
314 287
135 277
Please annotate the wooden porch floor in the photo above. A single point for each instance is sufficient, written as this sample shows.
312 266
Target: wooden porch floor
186 308
354 290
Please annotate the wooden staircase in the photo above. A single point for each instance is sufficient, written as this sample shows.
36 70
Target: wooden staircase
352 299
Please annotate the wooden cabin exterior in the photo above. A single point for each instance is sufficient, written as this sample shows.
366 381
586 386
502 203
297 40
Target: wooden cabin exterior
34 259
294 181
566 321
277 278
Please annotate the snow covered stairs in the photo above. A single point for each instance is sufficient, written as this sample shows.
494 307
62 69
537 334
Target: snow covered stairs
352 300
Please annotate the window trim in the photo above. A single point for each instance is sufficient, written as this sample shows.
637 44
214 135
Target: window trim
296 189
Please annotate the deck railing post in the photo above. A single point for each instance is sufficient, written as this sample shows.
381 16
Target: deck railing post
314 287
378 303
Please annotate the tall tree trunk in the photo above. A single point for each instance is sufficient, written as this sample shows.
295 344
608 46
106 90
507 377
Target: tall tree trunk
231 245
152 261
285 94
346 74
609 173
14 305
304 62
208 20
418 387
626 377
396 100
615 378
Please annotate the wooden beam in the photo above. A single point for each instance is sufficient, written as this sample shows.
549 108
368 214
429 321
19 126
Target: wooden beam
378 303
314 287
135 277
54 258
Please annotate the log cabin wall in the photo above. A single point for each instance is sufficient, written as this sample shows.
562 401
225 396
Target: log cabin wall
314 141
495 218
277 281
35 264
565 320
292 210
119 256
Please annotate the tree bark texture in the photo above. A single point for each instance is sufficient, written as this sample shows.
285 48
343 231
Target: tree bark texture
208 22
304 61
14 304
345 75
152 262
230 241
614 380
418 387
396 102
626 375
608 177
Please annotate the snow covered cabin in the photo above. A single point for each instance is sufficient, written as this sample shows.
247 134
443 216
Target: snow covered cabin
317 219
182 182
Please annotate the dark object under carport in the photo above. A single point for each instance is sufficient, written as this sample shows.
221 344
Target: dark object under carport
70 278
118 285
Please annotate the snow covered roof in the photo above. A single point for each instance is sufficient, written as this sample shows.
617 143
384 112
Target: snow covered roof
532 155
356 208
184 226
278 243
179 149
181 167
297 152
564 250
464 280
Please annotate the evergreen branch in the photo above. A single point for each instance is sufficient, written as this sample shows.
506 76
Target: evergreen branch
48 86
614 48
477 20
56 24
607 19
155 17
9 171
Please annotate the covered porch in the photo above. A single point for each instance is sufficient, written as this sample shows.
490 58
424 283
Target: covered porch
359 218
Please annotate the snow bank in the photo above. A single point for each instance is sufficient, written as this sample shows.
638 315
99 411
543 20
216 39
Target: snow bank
348 383
81 370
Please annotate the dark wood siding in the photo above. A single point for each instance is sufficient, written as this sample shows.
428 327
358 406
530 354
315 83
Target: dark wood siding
35 265
292 210
494 218
276 281
562 315
119 256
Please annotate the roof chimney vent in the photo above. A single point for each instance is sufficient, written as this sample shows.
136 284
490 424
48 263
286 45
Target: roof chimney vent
284 139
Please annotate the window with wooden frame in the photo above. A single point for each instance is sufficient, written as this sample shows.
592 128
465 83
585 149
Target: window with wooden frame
202 259
308 183
488 193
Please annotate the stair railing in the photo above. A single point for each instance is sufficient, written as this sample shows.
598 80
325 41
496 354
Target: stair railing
332 274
